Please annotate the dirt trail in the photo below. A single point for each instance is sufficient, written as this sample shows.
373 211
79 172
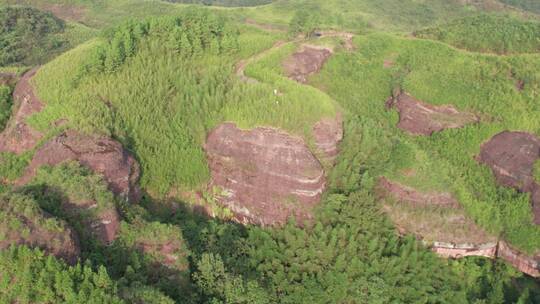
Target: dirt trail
242 64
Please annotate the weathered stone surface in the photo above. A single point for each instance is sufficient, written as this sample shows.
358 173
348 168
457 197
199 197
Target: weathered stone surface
456 251
511 157
18 137
308 61
265 174
420 118
328 133
526 264
101 154
453 242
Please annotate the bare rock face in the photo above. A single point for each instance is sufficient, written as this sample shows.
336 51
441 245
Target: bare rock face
328 133
420 118
265 174
106 226
24 223
18 137
101 154
511 157
461 237
457 251
526 264
308 61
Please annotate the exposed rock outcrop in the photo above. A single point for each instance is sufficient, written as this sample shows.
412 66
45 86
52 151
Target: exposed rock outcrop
101 154
308 61
328 133
526 264
24 223
420 118
265 175
18 136
456 251
511 157
447 232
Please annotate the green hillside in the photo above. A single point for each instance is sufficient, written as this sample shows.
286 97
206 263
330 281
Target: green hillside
488 33
159 76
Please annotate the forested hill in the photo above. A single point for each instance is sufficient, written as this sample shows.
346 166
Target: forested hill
259 152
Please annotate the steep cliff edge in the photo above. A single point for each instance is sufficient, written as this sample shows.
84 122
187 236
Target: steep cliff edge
266 175
439 221
101 154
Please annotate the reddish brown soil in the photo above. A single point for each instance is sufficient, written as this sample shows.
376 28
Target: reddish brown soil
101 154
328 133
388 63
265 174
308 61
511 157
412 196
18 137
63 244
420 118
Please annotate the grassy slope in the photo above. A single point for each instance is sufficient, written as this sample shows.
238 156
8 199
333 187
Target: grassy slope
445 161
488 33
389 15
163 106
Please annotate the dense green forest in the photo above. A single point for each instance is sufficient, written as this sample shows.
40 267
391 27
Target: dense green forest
27 35
158 76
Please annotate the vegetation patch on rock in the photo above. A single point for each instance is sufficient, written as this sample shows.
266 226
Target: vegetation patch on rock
22 222
74 193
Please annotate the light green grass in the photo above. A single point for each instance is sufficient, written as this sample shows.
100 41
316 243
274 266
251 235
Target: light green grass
161 107
488 33
438 74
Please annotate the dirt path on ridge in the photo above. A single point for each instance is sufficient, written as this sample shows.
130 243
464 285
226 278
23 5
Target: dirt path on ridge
242 64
